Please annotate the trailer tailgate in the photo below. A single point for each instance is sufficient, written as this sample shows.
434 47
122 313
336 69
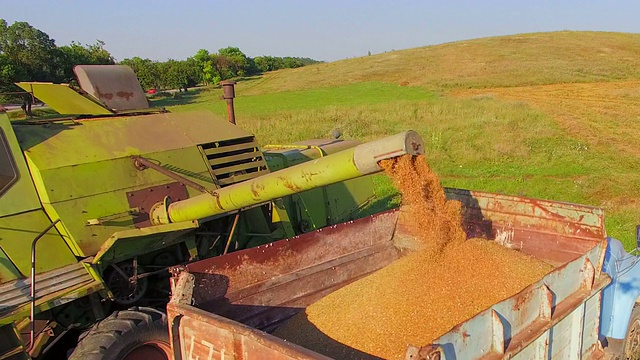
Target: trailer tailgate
197 334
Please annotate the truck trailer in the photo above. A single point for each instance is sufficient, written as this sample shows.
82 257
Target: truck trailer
226 307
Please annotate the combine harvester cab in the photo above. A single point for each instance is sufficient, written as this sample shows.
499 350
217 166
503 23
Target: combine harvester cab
225 307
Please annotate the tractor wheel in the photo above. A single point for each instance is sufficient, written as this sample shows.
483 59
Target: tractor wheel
632 340
137 333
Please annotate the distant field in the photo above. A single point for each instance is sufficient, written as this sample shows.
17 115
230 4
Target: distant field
494 127
505 61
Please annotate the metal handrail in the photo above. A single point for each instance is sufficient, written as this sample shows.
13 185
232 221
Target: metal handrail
33 283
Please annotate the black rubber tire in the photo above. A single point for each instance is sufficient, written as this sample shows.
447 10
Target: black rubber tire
120 333
632 339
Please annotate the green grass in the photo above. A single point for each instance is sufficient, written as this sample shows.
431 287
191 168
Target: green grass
480 143
266 104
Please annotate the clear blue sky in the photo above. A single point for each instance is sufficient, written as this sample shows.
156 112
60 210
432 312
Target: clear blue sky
322 29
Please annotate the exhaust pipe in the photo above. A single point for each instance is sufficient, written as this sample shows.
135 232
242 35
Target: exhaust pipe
228 93
345 165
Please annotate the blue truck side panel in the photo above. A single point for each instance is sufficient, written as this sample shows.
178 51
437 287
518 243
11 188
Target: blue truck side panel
619 297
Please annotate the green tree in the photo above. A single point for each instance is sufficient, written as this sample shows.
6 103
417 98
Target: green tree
76 54
262 63
221 66
8 74
237 63
291 63
271 63
176 74
29 50
204 63
99 55
26 53
208 73
29 54
192 72
146 70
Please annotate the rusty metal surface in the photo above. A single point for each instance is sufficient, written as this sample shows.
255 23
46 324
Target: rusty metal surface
265 285
564 219
115 86
557 317
228 93
552 231
228 89
266 305
196 334
144 199
281 257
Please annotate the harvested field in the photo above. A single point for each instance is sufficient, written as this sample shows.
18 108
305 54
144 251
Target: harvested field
422 295
603 117
601 114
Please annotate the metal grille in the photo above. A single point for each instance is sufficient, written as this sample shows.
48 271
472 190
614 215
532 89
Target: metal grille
16 293
236 160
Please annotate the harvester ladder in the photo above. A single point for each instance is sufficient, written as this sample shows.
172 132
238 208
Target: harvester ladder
32 316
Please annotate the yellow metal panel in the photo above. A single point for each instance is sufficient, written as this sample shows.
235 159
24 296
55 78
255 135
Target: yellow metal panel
8 270
21 196
56 145
63 99
18 234
204 127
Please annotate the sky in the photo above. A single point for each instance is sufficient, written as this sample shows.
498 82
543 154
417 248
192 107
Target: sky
325 30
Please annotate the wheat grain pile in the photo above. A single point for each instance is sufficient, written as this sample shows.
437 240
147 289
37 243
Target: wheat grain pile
422 295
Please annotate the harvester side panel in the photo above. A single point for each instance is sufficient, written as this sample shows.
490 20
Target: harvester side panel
22 219
18 232
97 192
84 172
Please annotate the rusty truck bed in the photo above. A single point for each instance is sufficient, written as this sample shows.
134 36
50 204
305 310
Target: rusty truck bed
224 307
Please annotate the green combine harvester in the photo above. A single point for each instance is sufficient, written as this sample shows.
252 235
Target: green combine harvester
97 204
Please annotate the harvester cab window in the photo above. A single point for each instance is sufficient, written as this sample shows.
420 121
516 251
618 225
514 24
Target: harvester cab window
8 171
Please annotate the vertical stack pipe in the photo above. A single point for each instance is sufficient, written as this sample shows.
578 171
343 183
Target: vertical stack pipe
228 93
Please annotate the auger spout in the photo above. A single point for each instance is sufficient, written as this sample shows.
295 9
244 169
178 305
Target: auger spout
345 165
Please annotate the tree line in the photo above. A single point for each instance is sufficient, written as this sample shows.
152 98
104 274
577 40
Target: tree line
29 54
207 68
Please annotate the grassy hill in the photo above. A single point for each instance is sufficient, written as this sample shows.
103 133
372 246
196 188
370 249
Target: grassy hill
547 115
518 60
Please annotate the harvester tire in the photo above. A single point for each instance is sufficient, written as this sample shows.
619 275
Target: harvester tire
137 333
